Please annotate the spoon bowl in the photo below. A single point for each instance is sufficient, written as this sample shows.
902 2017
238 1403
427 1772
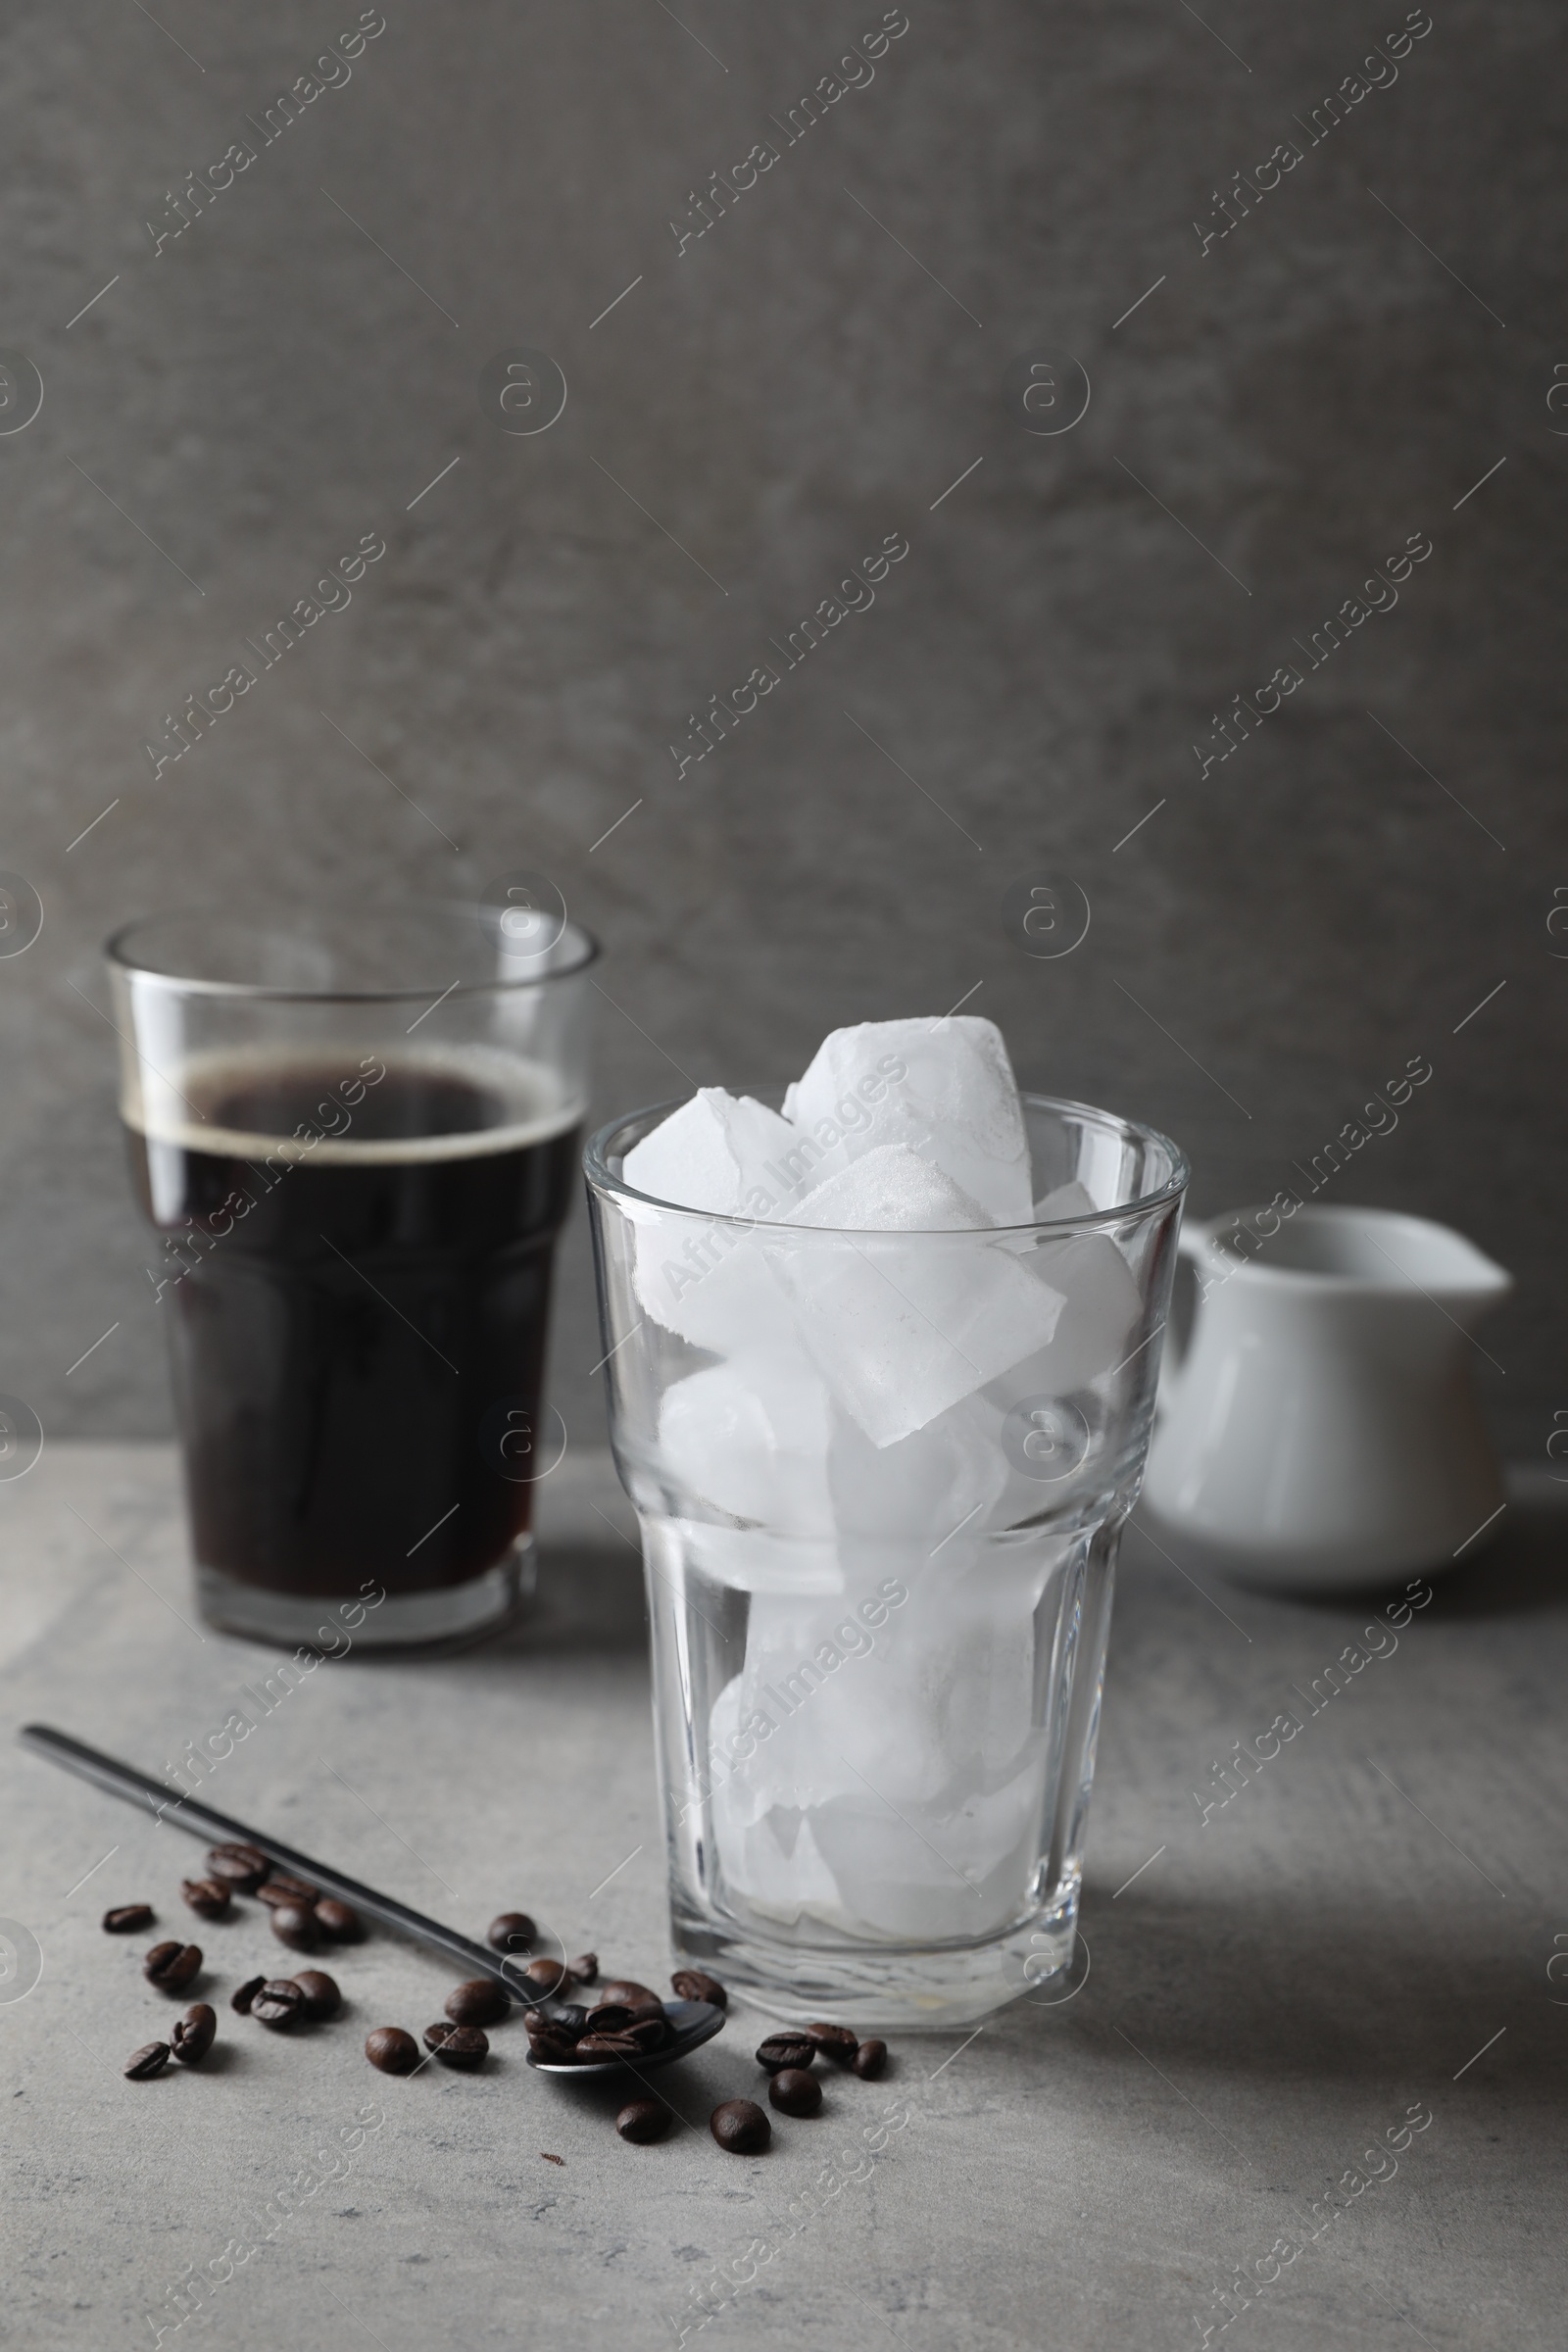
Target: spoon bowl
691 2022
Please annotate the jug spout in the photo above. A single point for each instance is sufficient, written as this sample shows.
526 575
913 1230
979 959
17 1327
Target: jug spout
1434 1262
1327 1256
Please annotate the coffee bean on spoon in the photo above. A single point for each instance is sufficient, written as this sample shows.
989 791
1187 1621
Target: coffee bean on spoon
629 1994
561 2028
647 2033
295 1924
128 1919
741 2127
793 2091
279 2002
553 2049
613 2017
148 2061
337 1921
780 2051
512 1932
602 2047
322 1999
691 1985
172 1966
241 2002
282 1888
242 1867
643 2121
834 2041
478 2002
392 2050
459 2045
869 2060
192 2037
209 1897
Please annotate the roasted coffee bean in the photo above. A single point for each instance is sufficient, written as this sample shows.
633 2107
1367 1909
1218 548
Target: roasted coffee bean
585 1968
392 2050
545 1976
294 1924
834 2041
551 2039
478 2002
793 2092
193 2036
553 2049
128 1919
650 2033
240 1866
613 2017
279 2002
629 1994
512 1931
172 1966
691 1985
148 2061
322 1999
282 1888
569 2019
241 2002
643 2121
435 2036
595 2048
780 2051
337 1921
869 2060
740 2126
464 2046
208 1896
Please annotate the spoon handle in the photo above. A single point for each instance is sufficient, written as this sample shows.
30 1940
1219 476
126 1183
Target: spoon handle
190 1813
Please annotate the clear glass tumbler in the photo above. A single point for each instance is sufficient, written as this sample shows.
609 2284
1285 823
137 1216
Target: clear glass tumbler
357 1137
882 1478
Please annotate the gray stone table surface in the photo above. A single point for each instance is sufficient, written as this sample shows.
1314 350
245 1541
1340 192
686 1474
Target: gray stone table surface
1365 1929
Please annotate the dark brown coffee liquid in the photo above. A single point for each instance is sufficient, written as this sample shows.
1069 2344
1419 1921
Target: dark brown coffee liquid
358 1341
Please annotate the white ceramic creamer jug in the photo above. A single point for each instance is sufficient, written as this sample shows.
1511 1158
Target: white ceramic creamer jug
1320 1429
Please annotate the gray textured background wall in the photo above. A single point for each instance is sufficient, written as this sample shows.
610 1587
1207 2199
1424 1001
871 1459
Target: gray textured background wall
1288 406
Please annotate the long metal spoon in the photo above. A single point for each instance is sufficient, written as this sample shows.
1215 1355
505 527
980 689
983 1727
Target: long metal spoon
691 2022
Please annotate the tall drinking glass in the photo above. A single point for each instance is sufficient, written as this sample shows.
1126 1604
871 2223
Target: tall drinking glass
882 1478
356 1136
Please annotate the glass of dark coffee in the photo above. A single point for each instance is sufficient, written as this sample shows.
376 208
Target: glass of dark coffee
357 1137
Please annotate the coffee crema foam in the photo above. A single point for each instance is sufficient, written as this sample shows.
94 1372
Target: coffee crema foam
522 1101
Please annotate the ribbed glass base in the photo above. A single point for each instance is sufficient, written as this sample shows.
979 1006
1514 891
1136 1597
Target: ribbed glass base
898 1989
